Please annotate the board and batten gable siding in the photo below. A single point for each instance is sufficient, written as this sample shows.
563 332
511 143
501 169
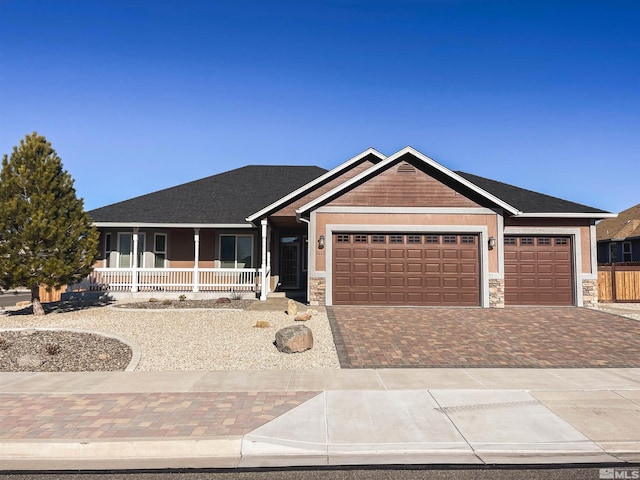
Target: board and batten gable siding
403 185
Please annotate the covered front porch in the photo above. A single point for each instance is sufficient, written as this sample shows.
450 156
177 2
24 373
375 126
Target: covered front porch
200 260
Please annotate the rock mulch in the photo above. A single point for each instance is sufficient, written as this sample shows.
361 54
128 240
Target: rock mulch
60 351
195 339
157 304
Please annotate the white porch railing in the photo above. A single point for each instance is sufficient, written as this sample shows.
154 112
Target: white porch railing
172 280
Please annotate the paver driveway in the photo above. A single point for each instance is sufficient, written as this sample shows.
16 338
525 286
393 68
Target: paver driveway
382 337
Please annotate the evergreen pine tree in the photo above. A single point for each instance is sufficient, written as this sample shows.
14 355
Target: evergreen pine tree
46 238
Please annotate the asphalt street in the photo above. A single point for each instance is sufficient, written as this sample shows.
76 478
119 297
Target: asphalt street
9 299
359 473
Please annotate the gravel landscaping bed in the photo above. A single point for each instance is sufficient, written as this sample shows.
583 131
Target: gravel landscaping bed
155 304
195 339
60 351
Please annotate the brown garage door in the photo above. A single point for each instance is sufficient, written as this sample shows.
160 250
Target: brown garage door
538 271
405 269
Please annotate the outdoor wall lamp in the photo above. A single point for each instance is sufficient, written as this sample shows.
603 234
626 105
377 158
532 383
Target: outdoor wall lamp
321 242
492 243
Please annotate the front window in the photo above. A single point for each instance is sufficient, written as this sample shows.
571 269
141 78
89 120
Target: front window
160 250
626 252
236 251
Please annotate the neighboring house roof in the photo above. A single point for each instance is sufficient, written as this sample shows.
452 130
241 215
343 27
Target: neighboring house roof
625 225
515 200
223 199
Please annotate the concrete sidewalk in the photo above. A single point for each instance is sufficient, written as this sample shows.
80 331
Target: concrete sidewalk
118 420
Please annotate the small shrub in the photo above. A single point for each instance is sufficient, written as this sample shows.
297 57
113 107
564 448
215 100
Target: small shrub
236 295
182 298
4 343
262 324
53 348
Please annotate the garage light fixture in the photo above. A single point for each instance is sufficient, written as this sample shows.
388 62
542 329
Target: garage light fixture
321 242
492 242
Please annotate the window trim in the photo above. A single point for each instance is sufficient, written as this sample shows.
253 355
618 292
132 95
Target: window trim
626 253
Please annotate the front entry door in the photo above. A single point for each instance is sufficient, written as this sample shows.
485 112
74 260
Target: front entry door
290 262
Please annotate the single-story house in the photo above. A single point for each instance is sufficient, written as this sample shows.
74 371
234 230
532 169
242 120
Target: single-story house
376 230
619 238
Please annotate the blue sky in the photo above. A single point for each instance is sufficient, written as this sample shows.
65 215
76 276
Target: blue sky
138 95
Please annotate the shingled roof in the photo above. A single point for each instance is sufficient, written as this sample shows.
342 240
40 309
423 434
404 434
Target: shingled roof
528 201
625 225
229 198
226 198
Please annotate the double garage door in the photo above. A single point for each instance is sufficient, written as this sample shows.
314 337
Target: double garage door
444 269
406 269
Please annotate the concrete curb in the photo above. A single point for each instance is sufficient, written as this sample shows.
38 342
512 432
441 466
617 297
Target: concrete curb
221 452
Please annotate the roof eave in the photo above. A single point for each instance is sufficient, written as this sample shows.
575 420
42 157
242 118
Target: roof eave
308 186
170 225
566 215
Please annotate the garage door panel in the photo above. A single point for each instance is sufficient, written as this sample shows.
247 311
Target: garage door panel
414 268
360 268
538 271
406 269
360 281
469 268
468 254
414 298
375 297
396 297
449 268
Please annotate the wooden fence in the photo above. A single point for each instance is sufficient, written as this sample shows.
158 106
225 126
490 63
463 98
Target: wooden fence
619 282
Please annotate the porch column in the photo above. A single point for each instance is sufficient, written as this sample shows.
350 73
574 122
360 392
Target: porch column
196 259
263 266
134 263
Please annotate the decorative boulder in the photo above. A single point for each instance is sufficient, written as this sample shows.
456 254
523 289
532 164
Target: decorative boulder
292 308
223 300
294 339
303 317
